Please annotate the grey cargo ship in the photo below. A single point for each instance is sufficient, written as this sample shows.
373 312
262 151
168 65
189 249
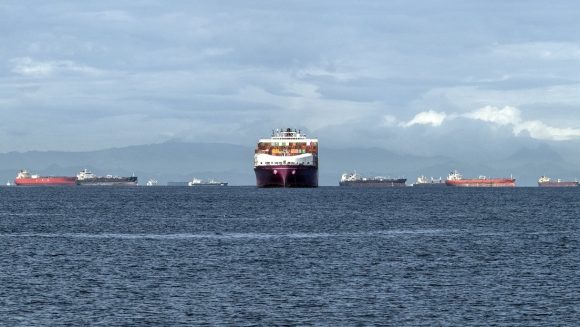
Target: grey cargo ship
355 180
87 178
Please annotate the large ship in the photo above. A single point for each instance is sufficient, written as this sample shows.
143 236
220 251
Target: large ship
85 177
24 178
423 181
356 180
201 182
546 181
287 159
456 179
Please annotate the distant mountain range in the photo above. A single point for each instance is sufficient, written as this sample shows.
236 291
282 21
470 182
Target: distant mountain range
181 161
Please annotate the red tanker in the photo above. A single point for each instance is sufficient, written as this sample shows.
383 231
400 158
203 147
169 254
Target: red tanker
24 178
455 179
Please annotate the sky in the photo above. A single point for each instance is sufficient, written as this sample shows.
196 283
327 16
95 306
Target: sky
418 77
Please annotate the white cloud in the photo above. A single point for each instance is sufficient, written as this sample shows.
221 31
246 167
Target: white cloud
26 66
541 131
511 116
430 117
505 116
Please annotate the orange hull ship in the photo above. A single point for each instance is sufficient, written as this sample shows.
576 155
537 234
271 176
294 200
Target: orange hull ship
24 178
456 179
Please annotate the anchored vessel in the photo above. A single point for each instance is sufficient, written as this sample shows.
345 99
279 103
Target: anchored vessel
24 178
356 180
456 179
85 177
211 182
423 181
546 181
152 182
287 159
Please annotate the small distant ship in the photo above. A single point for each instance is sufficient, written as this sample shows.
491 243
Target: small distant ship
456 179
356 180
87 178
546 181
24 178
423 181
152 182
287 159
211 182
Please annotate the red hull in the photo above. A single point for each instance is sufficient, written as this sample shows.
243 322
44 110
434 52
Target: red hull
492 182
286 176
46 181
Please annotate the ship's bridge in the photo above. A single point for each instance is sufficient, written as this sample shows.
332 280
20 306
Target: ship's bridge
287 143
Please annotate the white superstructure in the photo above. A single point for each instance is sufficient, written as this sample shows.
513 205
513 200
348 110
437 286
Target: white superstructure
152 182
350 177
454 176
25 174
425 180
85 174
544 179
286 147
195 181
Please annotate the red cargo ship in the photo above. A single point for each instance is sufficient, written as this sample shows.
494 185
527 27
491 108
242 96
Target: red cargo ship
286 159
456 179
24 178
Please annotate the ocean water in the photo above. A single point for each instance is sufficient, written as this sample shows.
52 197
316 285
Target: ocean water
328 256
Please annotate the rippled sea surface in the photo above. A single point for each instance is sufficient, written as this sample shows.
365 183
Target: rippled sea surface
326 256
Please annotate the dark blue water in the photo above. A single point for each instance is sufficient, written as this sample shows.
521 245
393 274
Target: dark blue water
327 256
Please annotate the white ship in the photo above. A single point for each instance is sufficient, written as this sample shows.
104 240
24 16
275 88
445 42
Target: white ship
424 181
211 182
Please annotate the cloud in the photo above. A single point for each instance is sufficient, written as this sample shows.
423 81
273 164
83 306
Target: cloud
26 66
541 131
335 66
389 120
539 50
505 116
430 117
511 116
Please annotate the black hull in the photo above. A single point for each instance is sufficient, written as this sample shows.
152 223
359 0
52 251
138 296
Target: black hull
286 176
108 181
375 184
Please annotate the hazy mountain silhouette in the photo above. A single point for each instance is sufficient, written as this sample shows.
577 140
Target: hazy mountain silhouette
181 161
